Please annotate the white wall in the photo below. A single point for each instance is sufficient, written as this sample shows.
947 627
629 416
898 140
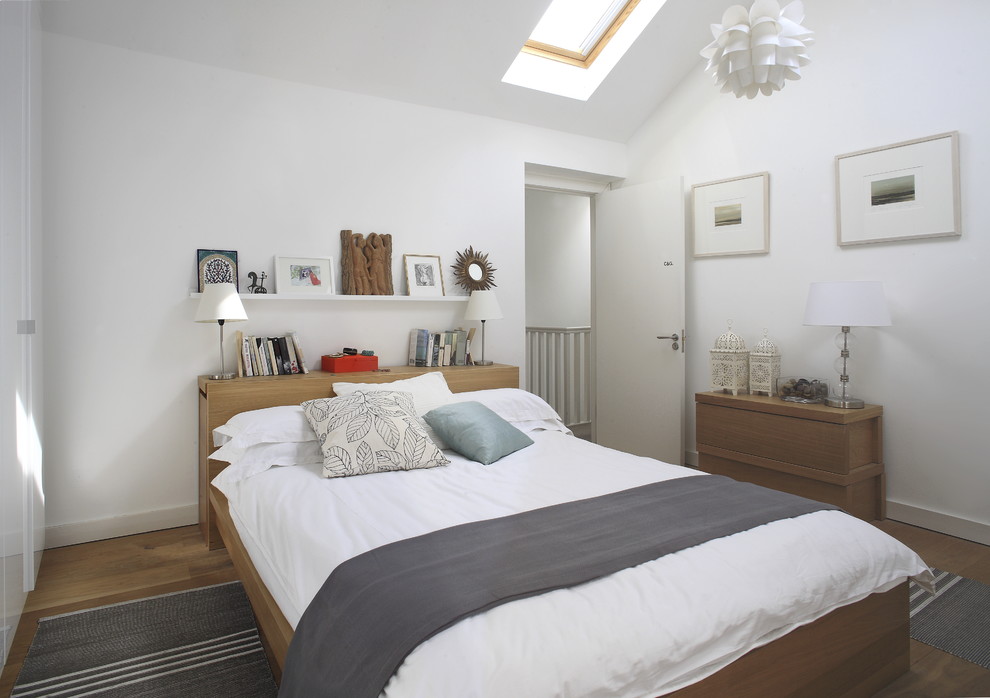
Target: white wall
21 498
148 159
881 73
558 259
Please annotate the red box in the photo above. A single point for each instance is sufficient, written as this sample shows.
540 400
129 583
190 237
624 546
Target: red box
349 364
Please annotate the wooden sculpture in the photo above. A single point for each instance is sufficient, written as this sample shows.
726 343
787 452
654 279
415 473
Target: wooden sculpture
365 264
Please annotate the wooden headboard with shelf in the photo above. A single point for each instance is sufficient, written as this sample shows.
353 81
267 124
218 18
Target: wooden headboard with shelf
219 400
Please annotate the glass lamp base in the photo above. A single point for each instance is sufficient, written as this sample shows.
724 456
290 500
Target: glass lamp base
852 403
222 376
483 363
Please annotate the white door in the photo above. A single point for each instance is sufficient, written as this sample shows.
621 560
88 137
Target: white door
638 295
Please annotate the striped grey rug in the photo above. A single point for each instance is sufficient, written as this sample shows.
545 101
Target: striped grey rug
956 619
202 642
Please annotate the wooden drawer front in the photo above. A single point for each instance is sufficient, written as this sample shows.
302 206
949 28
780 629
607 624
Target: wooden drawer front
836 448
861 499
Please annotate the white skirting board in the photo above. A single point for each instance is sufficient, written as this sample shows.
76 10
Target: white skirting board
915 516
937 521
116 526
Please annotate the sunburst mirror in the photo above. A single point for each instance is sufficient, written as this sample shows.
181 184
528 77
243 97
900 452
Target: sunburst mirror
473 271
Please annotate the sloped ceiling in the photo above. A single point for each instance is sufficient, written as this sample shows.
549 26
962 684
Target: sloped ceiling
443 53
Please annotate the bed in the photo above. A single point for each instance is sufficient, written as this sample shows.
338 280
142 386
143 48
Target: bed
830 623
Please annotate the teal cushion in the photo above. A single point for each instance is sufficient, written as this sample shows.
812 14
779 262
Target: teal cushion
475 431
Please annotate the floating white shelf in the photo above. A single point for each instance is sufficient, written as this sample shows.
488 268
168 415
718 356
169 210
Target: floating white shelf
336 297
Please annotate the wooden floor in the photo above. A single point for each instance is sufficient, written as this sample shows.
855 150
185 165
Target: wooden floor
935 674
123 569
111 571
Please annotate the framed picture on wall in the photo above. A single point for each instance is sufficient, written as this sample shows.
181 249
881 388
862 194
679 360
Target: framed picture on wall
424 275
216 267
899 192
732 216
309 275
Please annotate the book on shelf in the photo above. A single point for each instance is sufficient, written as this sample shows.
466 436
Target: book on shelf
434 356
437 348
293 362
468 359
299 353
243 356
283 354
269 356
413 347
273 356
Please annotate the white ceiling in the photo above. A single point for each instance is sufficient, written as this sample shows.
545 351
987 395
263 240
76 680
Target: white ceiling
442 53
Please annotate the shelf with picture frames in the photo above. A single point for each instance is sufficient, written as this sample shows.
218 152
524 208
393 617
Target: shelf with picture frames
340 297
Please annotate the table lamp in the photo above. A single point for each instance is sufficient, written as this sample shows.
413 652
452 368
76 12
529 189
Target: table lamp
483 306
220 303
844 304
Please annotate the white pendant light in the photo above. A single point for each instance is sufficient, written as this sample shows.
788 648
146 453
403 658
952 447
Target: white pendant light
756 51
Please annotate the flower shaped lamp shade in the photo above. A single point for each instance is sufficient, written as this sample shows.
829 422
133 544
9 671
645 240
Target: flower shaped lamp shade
845 304
483 305
220 303
757 50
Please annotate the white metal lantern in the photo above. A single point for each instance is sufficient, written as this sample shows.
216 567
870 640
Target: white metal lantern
730 363
764 367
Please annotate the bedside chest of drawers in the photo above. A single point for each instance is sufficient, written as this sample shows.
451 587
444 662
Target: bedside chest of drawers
825 453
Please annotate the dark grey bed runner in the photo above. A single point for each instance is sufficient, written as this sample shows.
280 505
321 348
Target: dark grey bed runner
376 608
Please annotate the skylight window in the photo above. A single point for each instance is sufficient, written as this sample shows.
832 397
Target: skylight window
576 31
577 43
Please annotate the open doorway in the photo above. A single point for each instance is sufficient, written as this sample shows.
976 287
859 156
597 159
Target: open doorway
558 303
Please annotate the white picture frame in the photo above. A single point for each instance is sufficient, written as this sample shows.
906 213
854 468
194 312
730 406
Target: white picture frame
732 216
424 275
295 275
902 191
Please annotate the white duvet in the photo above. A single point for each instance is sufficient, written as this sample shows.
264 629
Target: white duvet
644 631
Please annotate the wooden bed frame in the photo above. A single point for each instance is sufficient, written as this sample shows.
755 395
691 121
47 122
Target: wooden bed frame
854 651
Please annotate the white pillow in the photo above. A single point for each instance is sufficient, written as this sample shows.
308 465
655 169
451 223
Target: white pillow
371 432
512 404
269 425
428 391
528 425
245 462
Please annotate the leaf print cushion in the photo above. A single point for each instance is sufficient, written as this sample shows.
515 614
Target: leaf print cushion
371 432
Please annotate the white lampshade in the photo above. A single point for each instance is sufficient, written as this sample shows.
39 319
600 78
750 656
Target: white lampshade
483 305
220 302
847 304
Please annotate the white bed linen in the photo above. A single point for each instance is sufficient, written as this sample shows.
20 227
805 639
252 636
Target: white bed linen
643 631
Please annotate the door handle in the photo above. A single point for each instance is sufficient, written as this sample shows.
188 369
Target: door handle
675 339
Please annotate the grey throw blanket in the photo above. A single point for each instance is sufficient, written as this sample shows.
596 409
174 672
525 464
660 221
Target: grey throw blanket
374 609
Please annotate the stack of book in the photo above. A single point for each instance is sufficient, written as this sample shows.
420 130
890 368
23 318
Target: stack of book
447 348
269 356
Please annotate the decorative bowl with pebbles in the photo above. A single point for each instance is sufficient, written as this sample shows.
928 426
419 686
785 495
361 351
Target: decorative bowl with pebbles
807 390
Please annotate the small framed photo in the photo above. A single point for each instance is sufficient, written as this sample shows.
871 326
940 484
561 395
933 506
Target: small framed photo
310 275
732 216
216 267
424 275
899 192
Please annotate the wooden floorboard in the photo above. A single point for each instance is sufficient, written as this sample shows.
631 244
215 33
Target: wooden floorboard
95 574
936 674
123 569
